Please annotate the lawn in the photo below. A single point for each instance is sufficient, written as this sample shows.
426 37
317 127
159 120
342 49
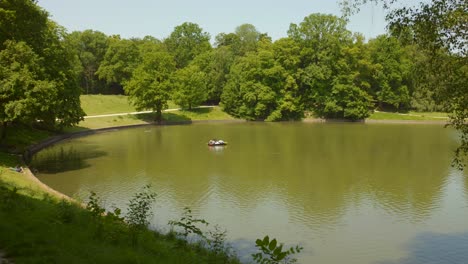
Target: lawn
108 104
409 116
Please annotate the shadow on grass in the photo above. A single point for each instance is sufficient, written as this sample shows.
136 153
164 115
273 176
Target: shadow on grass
199 110
167 117
75 129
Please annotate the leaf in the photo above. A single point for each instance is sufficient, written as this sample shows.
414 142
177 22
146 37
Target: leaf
258 242
272 245
266 240
278 250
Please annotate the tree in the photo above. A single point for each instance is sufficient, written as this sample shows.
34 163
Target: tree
249 37
121 59
19 84
438 27
189 87
328 74
43 74
90 47
149 86
23 20
216 64
255 85
186 42
391 70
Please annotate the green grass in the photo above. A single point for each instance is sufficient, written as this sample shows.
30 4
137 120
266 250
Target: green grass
105 104
174 116
408 116
38 228
108 104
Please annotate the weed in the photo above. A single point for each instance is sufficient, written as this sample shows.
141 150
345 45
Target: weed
272 252
189 224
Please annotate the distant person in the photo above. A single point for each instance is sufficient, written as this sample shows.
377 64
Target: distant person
18 168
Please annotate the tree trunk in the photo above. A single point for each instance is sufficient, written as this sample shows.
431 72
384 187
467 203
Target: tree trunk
158 117
3 133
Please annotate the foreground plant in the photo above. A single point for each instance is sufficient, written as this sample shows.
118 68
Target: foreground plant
189 224
139 208
272 252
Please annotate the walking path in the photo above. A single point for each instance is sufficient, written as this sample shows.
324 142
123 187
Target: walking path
144 112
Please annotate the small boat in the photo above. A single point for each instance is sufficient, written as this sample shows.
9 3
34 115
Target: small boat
215 142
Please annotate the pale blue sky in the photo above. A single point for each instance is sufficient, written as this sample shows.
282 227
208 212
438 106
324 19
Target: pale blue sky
157 18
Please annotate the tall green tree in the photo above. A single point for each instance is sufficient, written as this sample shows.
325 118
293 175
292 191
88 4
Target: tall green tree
149 86
121 59
189 87
325 76
50 79
259 88
90 47
23 20
391 72
216 64
438 27
186 42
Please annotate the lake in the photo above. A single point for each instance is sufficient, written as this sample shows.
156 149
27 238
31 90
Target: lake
347 193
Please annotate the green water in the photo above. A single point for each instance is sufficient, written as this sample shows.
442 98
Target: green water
348 193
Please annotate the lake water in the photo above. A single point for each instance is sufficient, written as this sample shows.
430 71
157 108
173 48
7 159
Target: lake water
347 193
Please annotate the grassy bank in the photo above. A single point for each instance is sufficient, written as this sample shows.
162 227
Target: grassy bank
36 227
428 116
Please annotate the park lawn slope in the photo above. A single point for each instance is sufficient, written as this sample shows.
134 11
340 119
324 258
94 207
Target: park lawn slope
97 104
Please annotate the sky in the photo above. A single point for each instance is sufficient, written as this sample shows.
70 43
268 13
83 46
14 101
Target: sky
139 18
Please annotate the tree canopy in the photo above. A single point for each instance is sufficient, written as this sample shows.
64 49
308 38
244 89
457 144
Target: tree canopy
438 28
38 72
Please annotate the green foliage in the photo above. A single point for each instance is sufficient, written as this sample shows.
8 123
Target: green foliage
149 86
217 240
119 62
90 47
259 88
38 72
139 208
438 29
188 224
189 87
186 42
271 252
390 72
216 64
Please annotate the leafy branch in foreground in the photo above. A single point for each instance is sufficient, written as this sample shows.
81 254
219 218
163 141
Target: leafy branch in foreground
272 252
189 224
139 208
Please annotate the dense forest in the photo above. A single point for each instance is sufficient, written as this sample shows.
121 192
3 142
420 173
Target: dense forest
320 68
